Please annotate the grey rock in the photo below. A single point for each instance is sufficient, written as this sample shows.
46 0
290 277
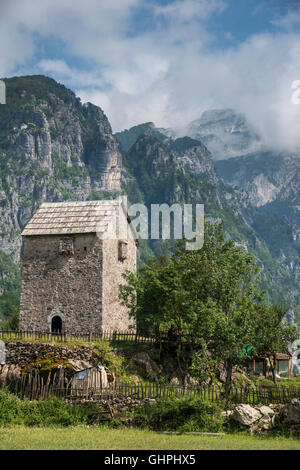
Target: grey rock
290 413
245 414
149 367
266 411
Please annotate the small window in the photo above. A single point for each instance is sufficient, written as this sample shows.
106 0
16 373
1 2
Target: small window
123 251
82 375
66 246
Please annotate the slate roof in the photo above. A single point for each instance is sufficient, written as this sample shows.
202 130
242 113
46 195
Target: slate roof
58 218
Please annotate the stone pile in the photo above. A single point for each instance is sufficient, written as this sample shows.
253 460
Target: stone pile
119 403
264 418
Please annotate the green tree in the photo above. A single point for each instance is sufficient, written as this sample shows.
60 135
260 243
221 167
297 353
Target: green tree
209 297
12 323
9 306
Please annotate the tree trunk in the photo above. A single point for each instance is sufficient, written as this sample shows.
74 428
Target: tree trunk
228 383
273 369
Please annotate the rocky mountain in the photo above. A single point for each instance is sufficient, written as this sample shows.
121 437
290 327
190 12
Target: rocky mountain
189 155
266 176
190 175
162 170
128 137
271 181
52 147
225 132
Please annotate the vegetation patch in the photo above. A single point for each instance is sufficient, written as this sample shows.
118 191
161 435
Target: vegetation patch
180 415
45 412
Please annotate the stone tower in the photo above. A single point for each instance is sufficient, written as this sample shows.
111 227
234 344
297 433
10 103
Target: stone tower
73 259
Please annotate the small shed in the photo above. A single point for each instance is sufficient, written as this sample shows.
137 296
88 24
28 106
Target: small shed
90 378
258 365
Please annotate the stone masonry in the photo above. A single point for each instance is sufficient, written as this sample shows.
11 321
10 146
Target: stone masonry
71 276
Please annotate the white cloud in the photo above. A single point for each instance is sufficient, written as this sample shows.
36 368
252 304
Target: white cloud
290 19
167 73
75 76
190 10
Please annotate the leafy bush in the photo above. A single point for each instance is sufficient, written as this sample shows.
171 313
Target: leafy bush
12 323
47 412
180 415
10 408
54 411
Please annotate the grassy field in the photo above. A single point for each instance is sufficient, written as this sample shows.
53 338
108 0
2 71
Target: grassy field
96 438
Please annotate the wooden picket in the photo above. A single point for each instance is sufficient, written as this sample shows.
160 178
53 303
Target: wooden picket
47 336
33 386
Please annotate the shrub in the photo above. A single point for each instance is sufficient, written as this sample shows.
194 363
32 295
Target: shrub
46 412
180 415
54 411
10 408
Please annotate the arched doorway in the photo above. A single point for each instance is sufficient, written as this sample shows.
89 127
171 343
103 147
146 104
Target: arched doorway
56 324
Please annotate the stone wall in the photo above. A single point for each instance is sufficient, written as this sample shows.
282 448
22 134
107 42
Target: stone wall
119 255
26 354
69 286
114 314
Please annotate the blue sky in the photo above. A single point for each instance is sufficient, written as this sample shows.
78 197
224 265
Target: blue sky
164 60
244 18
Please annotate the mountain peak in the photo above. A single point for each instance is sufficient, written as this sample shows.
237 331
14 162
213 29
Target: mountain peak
38 86
225 132
128 137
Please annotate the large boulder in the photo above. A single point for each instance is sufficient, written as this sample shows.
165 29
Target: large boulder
246 415
290 413
266 411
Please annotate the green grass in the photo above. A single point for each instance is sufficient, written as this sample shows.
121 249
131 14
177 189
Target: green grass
291 382
97 438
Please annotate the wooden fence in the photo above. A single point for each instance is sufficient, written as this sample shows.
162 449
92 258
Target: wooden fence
34 387
106 335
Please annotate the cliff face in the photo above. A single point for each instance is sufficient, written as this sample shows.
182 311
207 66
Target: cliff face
171 171
51 148
266 176
271 181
